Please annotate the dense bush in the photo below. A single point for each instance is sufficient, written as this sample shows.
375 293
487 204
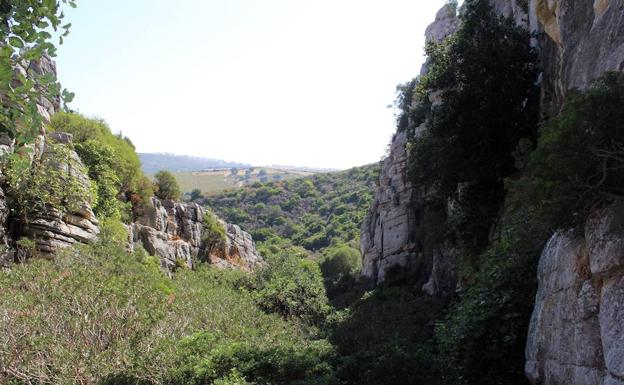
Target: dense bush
292 287
484 76
383 337
166 186
578 164
111 161
214 232
311 212
97 315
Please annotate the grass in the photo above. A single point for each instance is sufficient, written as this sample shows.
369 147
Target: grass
215 181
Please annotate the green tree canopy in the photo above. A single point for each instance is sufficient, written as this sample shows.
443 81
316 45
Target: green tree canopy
166 186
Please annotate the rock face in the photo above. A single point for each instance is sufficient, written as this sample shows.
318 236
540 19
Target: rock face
388 236
582 39
52 230
576 334
173 232
577 330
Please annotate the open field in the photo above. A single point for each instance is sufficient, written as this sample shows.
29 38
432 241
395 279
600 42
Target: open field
218 180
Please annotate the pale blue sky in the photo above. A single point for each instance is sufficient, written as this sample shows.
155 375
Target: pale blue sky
296 82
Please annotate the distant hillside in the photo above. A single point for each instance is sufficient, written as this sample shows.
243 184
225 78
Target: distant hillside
217 180
152 163
312 212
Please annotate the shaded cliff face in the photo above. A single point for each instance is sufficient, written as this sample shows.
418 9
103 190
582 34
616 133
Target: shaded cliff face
576 333
582 39
173 232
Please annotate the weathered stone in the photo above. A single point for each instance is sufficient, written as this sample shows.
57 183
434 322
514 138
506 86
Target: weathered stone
583 40
173 232
389 230
576 334
50 229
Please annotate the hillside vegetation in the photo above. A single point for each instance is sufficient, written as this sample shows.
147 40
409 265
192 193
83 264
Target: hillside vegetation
494 183
313 212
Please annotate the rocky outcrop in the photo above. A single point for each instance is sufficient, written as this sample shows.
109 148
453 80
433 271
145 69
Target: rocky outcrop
577 329
581 40
173 231
388 236
36 68
52 230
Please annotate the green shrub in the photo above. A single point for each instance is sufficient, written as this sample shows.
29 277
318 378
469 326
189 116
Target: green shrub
578 163
214 232
125 163
341 261
292 287
166 186
97 315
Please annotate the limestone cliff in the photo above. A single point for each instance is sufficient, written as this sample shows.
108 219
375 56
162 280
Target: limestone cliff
577 328
576 333
580 40
50 230
388 236
173 232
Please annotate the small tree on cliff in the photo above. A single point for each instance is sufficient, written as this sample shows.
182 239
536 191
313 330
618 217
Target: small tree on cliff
166 186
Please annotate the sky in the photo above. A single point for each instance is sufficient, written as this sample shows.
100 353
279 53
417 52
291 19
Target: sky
265 82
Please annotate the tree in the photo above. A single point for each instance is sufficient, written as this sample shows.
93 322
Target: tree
196 194
25 41
485 76
166 186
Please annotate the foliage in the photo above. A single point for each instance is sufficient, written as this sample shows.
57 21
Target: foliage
99 159
579 160
574 168
96 315
292 287
166 186
484 76
312 212
213 232
341 261
383 337
25 36
49 182
125 162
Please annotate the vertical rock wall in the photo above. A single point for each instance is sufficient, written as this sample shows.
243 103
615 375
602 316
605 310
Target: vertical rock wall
576 332
577 328
388 236
580 40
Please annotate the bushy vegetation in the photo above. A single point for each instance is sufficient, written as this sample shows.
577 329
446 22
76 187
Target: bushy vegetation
111 161
485 77
214 232
96 315
166 186
313 212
